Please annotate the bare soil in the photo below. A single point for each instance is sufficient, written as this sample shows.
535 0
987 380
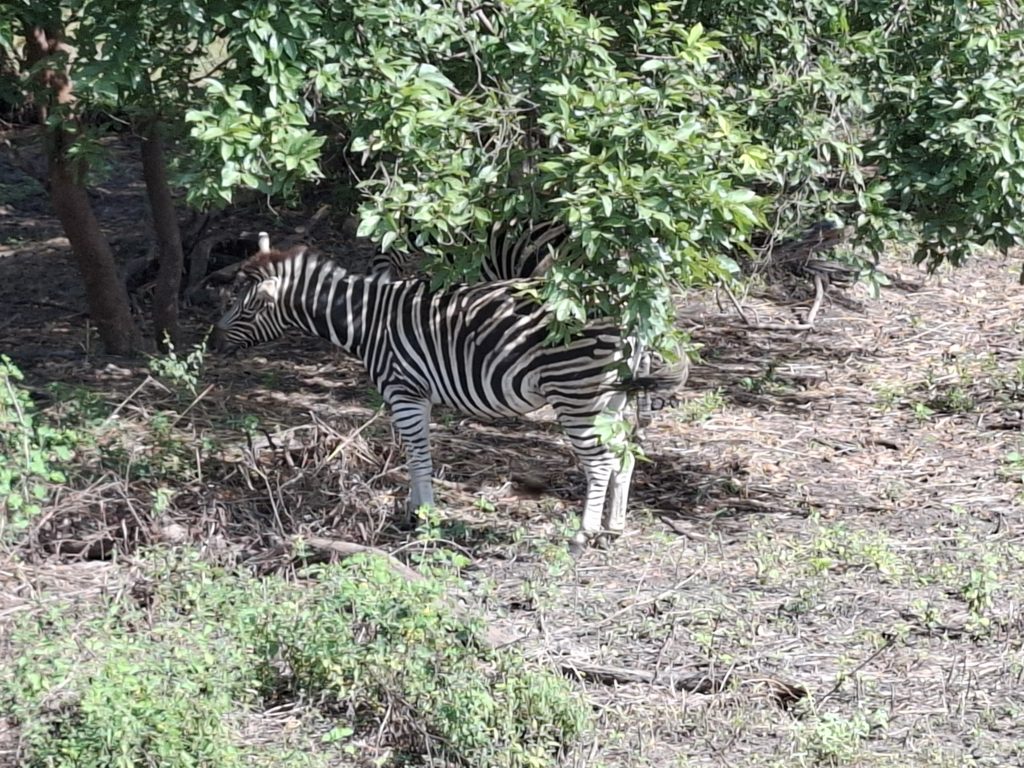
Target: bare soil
825 558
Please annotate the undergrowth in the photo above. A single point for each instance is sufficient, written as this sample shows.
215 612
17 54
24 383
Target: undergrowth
32 454
158 676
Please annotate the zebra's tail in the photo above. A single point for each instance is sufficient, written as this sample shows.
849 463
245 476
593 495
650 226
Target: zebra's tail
665 378
661 381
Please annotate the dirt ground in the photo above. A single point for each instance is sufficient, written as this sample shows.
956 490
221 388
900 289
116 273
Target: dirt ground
824 563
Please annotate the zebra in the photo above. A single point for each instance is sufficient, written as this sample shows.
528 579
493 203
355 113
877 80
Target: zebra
513 252
524 251
482 349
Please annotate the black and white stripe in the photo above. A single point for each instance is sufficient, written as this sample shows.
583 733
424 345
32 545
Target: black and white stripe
478 348
516 251
513 251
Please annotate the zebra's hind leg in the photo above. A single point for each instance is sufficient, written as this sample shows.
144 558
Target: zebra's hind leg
599 467
599 463
412 421
618 497
644 411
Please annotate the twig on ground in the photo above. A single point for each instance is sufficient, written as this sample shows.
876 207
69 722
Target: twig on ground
784 693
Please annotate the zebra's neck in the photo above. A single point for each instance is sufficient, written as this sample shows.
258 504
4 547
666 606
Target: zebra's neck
323 299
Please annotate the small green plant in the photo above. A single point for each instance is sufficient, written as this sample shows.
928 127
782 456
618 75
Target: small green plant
922 412
484 504
162 498
125 698
1013 466
702 408
77 405
979 589
955 399
835 740
431 522
765 383
927 613
31 454
542 587
180 372
247 423
773 558
838 545
162 452
558 559
887 396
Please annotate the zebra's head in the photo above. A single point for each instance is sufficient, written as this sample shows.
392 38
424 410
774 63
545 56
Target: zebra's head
257 313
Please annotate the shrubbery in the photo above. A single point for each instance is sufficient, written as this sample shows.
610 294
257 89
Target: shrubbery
156 676
32 454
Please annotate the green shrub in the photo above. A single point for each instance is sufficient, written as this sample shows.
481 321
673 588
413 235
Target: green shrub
110 696
31 453
181 372
132 686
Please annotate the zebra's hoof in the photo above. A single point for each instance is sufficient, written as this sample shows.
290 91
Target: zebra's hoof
606 539
578 544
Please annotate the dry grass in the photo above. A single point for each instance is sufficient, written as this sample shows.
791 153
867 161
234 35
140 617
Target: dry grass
838 510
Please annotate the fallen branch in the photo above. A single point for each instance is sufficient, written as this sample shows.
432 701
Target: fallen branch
782 692
819 295
348 440
345 549
808 325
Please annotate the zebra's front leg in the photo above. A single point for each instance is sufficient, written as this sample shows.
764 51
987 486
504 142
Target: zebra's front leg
412 421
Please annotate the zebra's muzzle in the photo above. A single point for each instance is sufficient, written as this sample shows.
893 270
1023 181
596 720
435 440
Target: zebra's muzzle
219 341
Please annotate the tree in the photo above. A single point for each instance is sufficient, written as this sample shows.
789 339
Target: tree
139 60
46 53
667 138
514 110
902 119
136 61
671 137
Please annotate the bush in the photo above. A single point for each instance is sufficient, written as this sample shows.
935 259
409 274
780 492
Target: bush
133 684
31 454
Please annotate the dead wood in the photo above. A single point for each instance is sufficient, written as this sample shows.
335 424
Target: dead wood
343 549
784 693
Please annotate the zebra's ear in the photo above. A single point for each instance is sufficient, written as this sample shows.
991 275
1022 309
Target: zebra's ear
267 291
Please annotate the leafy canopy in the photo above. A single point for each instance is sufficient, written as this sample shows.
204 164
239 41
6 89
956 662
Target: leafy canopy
670 137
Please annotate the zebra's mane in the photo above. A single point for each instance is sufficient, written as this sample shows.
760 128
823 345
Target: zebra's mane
265 262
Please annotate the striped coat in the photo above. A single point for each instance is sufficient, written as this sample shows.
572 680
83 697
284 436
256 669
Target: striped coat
479 348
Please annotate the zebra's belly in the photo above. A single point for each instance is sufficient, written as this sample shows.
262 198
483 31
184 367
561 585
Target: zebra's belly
493 403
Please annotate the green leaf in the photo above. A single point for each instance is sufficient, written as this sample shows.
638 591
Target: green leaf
367 224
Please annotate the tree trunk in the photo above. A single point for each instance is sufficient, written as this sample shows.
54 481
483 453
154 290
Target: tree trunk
168 238
105 292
